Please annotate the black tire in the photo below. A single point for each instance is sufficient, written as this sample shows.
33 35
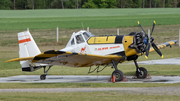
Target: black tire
118 75
142 74
43 77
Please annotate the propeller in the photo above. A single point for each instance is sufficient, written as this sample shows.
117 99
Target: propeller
150 40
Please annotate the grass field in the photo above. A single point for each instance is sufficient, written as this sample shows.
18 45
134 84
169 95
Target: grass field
81 85
93 18
92 22
86 96
85 12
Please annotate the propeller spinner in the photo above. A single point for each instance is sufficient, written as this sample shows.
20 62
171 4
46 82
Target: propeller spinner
150 40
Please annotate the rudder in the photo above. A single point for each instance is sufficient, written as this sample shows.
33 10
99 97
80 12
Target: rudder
28 48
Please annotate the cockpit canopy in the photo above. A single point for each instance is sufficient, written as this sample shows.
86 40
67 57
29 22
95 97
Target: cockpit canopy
79 37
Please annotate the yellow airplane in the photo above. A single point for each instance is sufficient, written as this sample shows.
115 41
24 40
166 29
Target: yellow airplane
85 50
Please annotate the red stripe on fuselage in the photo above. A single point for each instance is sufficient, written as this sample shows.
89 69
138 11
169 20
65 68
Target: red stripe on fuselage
24 40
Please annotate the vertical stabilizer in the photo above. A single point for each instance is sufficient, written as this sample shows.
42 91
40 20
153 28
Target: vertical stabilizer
27 48
27 45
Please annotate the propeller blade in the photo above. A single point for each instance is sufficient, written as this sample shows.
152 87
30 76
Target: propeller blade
156 49
153 27
147 50
148 45
141 27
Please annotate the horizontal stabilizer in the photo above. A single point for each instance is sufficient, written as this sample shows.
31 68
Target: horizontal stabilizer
20 59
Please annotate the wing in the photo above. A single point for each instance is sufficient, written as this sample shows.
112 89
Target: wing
163 45
72 59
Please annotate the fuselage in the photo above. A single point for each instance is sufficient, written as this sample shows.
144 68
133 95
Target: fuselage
100 45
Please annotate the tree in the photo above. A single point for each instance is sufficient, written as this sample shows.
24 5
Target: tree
100 4
14 4
77 4
70 4
89 4
62 4
156 3
175 3
178 5
105 3
44 2
128 3
163 3
30 4
111 3
5 4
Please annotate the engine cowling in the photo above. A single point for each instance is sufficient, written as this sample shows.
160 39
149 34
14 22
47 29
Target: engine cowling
140 41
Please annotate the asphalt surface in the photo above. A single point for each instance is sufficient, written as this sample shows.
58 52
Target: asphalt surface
85 79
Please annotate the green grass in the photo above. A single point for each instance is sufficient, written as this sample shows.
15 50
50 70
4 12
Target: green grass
85 12
92 22
86 96
80 85
93 18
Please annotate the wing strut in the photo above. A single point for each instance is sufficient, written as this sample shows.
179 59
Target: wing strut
97 68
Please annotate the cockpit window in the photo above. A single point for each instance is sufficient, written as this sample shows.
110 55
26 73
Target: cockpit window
79 39
87 35
72 42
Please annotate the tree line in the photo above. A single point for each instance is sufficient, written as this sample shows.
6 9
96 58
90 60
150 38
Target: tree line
76 4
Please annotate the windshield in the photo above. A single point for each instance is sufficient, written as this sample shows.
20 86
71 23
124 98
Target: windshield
87 35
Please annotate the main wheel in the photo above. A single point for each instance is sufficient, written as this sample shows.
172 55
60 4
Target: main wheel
142 74
43 77
118 75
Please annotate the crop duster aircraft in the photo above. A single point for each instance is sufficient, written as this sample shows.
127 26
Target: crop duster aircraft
85 50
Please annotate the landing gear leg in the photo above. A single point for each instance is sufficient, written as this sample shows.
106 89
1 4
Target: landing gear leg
141 72
43 76
117 73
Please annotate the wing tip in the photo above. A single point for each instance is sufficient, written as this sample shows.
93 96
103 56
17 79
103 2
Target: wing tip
154 22
138 22
146 57
162 56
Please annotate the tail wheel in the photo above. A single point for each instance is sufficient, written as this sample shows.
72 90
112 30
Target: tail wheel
142 73
118 75
43 77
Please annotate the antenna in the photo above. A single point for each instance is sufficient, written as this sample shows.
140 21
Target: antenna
82 25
